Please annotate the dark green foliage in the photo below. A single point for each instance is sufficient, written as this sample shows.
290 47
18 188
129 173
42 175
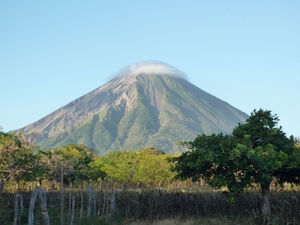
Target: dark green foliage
256 153
276 154
209 159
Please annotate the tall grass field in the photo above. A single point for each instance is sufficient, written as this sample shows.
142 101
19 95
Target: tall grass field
152 206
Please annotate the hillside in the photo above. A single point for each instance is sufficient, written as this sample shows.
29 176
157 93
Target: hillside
142 106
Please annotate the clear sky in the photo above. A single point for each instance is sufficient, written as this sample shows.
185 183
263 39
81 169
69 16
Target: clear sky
246 53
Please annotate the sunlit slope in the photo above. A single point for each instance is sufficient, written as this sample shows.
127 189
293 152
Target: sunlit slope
135 111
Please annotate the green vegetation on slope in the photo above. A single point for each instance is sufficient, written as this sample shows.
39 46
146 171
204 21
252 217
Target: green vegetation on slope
149 110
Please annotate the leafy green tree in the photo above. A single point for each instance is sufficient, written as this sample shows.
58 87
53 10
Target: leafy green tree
73 160
152 167
18 159
147 166
151 150
273 154
255 153
118 165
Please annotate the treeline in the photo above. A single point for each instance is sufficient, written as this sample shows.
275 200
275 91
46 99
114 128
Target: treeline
145 167
21 160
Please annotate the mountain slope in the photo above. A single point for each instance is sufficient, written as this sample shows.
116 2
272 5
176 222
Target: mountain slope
155 108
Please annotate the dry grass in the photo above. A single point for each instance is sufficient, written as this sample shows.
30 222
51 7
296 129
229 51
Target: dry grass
164 222
165 207
206 221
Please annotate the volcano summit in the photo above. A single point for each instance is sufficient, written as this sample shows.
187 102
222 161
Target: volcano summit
146 104
151 68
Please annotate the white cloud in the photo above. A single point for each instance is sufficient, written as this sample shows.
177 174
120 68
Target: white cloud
151 68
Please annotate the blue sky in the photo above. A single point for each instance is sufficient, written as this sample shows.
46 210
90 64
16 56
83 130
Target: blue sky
246 53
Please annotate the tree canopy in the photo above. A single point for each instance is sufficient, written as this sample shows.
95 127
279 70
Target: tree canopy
255 153
21 159
72 160
147 166
17 158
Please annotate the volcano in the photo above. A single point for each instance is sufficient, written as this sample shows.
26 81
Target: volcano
147 104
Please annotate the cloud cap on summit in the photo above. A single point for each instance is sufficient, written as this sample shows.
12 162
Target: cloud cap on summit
151 67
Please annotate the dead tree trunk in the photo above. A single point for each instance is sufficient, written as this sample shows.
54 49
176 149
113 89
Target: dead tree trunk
94 203
19 208
16 209
81 202
43 203
73 210
265 196
90 200
112 204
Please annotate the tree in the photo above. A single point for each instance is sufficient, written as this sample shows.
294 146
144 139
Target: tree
18 159
118 166
72 160
152 167
151 150
255 153
147 166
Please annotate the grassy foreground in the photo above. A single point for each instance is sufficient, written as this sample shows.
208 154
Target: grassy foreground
158 207
275 220
207 221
